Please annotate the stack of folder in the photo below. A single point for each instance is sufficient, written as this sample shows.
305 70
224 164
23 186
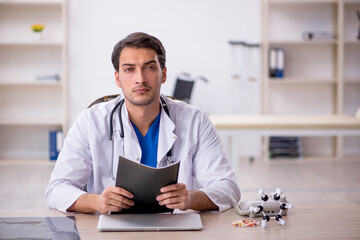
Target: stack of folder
285 147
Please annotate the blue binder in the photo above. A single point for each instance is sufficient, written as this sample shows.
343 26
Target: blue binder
55 143
280 62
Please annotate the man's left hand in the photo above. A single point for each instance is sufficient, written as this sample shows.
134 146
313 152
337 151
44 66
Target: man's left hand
175 196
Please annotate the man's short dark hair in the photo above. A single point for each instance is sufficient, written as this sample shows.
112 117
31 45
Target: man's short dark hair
139 40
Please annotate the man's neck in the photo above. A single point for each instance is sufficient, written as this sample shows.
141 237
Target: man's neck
143 116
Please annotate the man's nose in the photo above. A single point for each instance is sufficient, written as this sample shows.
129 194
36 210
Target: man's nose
140 77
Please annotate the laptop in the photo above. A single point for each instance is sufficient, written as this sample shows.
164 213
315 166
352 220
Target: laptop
149 222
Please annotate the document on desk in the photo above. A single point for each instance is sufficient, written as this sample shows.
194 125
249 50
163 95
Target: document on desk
39 228
145 183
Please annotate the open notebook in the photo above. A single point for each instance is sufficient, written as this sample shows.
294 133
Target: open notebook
145 183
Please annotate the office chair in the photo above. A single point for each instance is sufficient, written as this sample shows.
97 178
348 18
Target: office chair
105 98
184 86
183 89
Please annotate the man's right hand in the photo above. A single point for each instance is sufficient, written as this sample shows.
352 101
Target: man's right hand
112 199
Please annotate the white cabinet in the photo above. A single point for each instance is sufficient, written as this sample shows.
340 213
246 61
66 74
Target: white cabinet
321 77
33 76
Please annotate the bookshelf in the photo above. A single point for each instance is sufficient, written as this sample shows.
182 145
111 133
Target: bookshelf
31 107
351 75
321 76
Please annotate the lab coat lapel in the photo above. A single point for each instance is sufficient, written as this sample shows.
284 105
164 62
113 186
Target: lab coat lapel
166 136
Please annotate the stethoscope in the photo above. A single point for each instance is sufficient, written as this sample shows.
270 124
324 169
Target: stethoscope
122 135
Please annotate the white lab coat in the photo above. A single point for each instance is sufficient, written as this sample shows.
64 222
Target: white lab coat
87 157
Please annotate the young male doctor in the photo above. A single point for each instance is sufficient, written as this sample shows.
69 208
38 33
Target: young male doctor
89 158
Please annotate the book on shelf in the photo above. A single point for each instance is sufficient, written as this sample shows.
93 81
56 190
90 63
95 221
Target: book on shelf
276 62
272 62
285 147
317 35
55 144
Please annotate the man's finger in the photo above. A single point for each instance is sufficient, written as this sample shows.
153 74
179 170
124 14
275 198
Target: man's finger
122 204
172 187
121 191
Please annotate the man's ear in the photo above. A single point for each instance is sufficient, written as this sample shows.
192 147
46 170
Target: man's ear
117 80
164 75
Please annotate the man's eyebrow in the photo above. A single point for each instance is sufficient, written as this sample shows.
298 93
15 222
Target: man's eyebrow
151 61
131 64
127 64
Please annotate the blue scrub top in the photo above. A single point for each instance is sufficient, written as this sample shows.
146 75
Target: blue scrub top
149 143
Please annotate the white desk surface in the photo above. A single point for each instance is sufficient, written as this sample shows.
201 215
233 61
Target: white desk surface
337 221
238 122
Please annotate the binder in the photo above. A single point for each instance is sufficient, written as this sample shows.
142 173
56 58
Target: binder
272 62
280 62
55 144
145 183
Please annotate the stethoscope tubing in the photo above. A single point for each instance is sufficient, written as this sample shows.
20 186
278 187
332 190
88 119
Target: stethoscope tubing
122 135
118 105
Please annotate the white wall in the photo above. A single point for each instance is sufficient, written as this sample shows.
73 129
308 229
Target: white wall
195 34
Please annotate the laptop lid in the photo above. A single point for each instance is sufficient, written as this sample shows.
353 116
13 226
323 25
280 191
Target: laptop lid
150 222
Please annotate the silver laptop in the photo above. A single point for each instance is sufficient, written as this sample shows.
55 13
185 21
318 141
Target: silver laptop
149 222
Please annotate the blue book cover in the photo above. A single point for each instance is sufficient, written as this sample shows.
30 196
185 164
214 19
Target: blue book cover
280 62
55 143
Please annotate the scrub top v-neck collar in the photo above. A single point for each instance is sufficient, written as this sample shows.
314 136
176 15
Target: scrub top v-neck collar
149 143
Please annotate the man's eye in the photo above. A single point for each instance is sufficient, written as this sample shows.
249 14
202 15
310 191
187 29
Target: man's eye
151 67
128 69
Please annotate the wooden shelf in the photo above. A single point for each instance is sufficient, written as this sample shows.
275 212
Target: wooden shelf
301 1
315 70
40 83
30 44
303 42
27 161
305 159
31 122
301 81
352 80
31 108
351 2
44 3
352 42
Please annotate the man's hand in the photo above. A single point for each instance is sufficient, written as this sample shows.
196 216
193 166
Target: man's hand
112 199
177 196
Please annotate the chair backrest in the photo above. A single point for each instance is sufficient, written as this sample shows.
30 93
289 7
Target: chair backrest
183 89
104 99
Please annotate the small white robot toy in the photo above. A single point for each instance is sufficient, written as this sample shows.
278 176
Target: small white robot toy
276 206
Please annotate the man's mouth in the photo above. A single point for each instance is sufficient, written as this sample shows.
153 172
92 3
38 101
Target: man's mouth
141 90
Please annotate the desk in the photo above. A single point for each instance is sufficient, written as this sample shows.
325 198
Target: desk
286 125
303 222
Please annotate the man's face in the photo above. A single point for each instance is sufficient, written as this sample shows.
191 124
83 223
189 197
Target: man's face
140 75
